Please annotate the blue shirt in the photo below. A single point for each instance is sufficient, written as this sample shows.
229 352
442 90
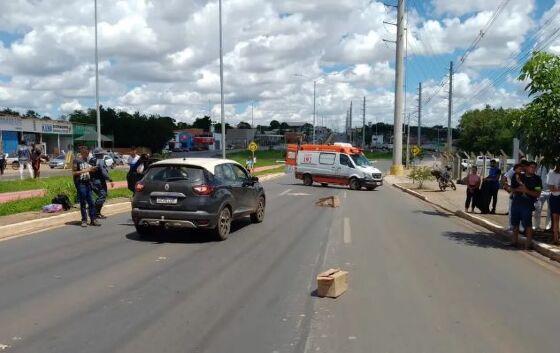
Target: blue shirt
494 174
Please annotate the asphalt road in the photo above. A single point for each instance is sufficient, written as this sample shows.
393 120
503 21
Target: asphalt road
419 282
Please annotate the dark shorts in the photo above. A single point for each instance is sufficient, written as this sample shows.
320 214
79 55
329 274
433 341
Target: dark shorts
554 204
521 214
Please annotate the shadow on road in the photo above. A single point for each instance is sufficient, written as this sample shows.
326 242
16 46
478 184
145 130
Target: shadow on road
434 213
479 239
188 236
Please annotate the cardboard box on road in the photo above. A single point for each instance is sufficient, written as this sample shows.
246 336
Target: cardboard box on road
332 283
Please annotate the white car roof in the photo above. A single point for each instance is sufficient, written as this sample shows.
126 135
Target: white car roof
206 163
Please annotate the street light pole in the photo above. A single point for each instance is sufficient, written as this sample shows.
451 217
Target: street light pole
314 96
222 119
97 82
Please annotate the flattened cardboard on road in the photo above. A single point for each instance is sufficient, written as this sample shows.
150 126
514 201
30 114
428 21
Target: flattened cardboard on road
332 283
330 201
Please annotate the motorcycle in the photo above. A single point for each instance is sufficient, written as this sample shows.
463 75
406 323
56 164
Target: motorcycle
444 179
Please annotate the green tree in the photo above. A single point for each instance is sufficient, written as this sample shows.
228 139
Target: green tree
32 114
243 125
540 123
488 129
9 111
274 124
202 123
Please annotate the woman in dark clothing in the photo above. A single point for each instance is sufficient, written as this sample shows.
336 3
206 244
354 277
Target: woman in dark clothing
36 154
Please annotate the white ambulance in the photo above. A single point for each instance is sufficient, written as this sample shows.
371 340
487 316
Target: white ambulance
339 164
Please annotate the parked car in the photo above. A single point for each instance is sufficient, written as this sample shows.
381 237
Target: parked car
196 193
57 162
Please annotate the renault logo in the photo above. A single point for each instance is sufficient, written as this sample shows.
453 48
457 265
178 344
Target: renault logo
166 187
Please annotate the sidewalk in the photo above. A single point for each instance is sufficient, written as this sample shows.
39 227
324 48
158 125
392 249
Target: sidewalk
454 202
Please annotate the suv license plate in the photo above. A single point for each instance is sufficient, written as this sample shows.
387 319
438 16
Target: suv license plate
167 200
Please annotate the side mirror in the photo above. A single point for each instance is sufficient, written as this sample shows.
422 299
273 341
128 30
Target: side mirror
254 179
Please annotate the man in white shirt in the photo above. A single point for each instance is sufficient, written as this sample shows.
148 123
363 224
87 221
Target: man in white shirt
553 182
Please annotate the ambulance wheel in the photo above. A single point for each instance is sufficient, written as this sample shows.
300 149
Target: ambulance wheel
354 184
307 180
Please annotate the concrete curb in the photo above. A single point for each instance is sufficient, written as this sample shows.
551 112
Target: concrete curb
42 224
544 249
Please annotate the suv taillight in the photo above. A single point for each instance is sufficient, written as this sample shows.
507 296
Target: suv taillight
203 190
139 186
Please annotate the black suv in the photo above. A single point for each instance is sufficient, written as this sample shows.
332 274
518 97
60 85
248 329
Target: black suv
201 193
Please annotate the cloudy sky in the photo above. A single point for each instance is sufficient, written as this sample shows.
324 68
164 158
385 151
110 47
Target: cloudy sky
161 56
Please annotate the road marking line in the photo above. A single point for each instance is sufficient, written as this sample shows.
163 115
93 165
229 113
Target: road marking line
284 192
347 231
345 194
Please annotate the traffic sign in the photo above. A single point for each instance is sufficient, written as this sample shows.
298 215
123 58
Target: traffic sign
253 146
416 151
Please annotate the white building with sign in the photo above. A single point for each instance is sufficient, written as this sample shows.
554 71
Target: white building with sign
55 135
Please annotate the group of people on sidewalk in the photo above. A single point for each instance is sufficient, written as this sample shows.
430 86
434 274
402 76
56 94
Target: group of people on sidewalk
528 195
481 193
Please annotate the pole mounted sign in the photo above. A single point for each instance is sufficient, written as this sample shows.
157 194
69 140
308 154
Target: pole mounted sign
253 146
416 151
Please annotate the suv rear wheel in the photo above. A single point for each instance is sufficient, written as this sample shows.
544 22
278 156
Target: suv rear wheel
258 216
224 224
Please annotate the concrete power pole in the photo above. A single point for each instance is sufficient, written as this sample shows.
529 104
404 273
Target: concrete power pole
397 167
350 122
450 110
408 141
419 142
364 124
222 113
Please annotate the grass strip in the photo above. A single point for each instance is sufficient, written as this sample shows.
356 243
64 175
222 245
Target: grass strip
50 183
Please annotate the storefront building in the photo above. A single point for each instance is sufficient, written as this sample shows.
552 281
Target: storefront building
54 135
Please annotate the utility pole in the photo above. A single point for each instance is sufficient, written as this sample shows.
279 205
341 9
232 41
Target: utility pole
408 141
98 114
222 118
350 122
397 168
252 117
450 110
419 142
314 91
364 124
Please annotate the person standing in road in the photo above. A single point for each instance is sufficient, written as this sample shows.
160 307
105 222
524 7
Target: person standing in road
473 183
99 179
131 176
494 178
526 189
553 182
81 170
24 159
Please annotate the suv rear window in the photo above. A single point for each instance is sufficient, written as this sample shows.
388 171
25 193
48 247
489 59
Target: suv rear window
193 175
